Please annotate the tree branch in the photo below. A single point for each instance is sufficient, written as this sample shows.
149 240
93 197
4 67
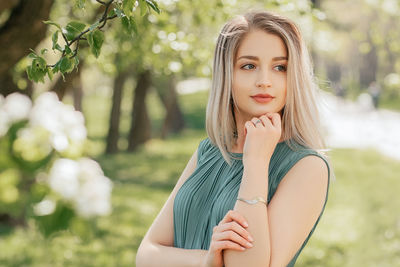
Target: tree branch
79 37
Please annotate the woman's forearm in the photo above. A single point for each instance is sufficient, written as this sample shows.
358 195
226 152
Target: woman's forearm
254 183
151 255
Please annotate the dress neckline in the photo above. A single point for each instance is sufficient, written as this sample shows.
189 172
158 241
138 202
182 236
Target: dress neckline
241 154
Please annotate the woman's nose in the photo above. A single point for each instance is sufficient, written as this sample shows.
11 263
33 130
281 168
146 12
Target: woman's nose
263 80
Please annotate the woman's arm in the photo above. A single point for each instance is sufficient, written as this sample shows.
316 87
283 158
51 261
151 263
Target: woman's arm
280 229
156 248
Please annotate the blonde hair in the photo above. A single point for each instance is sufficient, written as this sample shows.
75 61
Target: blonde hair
300 120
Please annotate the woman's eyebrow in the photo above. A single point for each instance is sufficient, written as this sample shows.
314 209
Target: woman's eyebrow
256 58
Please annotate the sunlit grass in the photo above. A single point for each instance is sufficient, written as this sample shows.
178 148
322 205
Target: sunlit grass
361 225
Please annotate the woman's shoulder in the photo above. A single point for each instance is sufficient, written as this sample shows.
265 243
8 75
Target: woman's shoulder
290 149
289 152
205 146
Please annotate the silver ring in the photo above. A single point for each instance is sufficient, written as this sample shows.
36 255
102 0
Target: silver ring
257 122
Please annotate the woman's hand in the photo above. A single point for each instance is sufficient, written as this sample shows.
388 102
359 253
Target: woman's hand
230 233
261 138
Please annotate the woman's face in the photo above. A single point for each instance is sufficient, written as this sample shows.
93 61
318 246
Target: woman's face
260 68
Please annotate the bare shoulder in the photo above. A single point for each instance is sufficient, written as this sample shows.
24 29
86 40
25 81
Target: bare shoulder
295 207
310 171
311 164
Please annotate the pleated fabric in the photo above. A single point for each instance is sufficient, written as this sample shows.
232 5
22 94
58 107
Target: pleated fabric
211 191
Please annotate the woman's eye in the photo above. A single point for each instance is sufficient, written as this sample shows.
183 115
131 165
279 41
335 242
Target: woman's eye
251 66
280 68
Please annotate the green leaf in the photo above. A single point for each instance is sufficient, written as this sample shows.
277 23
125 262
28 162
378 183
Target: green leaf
127 6
56 67
95 40
80 3
50 73
129 25
73 29
38 68
54 39
143 7
112 12
59 48
76 61
43 51
68 50
66 65
32 55
59 220
40 63
49 22
153 5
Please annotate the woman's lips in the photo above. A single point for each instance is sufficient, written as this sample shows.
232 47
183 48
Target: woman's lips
262 99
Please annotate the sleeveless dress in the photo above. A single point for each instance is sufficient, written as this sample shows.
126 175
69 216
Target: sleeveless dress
211 191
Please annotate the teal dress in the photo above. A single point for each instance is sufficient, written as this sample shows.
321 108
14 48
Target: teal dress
211 191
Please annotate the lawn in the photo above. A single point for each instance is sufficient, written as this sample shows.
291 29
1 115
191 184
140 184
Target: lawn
360 226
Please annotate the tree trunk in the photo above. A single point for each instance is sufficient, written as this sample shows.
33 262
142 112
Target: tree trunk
368 66
140 130
77 92
174 121
113 130
23 30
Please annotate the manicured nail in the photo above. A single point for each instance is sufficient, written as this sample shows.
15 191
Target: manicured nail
251 239
249 244
246 224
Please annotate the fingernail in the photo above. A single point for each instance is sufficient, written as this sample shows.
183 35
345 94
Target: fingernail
246 224
249 244
251 239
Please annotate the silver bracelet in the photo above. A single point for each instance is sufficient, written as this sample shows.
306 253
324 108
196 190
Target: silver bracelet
253 201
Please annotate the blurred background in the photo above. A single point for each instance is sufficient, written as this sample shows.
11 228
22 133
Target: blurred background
86 162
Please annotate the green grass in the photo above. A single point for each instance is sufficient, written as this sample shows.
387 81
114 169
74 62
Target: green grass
360 226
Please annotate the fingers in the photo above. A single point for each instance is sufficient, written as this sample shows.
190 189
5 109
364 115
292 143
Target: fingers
221 245
237 228
230 233
269 119
248 126
234 216
275 118
232 236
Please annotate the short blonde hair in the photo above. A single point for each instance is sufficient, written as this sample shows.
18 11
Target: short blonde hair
300 120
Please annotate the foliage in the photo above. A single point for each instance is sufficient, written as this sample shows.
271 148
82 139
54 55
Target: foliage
76 31
43 174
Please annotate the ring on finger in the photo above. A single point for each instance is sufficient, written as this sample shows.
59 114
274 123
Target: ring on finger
258 121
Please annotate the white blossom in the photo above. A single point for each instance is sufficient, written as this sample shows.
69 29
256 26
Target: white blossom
44 207
94 197
63 178
83 183
64 123
13 108
17 107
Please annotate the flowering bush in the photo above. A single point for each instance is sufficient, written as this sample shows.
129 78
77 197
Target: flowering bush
43 174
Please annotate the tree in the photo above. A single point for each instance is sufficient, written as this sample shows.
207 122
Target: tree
14 44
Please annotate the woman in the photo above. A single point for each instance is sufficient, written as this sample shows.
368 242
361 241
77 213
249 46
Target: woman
255 189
